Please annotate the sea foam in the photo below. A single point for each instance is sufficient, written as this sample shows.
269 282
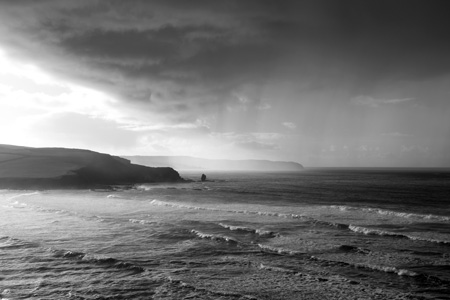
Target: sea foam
260 232
247 212
368 231
214 237
386 212
278 250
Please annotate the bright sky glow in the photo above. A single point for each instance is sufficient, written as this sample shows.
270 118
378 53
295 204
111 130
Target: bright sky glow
263 80
30 97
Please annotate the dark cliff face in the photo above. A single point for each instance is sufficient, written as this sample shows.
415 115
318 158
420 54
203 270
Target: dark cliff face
45 168
108 172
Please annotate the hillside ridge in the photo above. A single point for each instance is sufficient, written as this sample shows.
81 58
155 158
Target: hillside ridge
50 168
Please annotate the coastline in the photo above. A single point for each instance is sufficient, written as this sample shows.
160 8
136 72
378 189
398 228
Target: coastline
24 168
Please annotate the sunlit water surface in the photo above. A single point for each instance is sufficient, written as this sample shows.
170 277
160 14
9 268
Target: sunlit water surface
317 234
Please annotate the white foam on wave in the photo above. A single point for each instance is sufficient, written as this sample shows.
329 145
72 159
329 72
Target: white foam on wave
278 250
140 221
23 195
144 187
386 269
5 292
354 228
162 203
408 215
17 204
401 272
261 232
413 215
341 207
387 212
416 238
236 228
214 237
368 231
247 212
266 232
53 210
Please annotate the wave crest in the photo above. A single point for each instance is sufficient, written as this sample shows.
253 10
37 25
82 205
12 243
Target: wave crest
107 261
214 237
387 212
368 231
247 212
386 269
260 232
143 222
278 250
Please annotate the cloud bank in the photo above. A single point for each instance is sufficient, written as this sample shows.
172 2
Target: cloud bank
215 67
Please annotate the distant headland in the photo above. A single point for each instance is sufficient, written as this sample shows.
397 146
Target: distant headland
59 168
193 163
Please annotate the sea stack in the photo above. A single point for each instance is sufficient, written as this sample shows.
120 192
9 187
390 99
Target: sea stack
203 178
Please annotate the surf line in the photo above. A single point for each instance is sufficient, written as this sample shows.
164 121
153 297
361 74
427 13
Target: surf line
248 212
23 195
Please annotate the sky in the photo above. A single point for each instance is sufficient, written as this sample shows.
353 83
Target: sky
325 83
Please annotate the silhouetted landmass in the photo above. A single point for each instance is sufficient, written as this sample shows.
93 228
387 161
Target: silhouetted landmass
192 163
54 168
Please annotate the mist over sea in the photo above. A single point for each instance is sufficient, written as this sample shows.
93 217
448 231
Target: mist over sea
316 234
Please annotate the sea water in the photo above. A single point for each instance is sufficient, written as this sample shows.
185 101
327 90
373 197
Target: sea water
316 234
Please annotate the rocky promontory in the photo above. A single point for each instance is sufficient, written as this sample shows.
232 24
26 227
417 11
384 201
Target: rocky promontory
58 168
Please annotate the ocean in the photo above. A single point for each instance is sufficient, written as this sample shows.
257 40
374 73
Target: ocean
315 234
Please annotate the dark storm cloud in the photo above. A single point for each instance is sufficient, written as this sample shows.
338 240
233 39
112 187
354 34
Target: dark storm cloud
202 51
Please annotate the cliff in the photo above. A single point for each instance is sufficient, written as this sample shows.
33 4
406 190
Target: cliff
54 168
192 163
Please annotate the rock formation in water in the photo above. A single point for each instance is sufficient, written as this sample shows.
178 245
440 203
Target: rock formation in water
54 168
203 178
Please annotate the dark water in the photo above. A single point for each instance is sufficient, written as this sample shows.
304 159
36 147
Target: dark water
318 234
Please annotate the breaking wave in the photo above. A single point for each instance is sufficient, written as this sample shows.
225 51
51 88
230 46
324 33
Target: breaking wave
354 228
24 195
386 269
113 196
369 231
260 232
214 237
387 212
141 221
248 212
400 272
278 250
